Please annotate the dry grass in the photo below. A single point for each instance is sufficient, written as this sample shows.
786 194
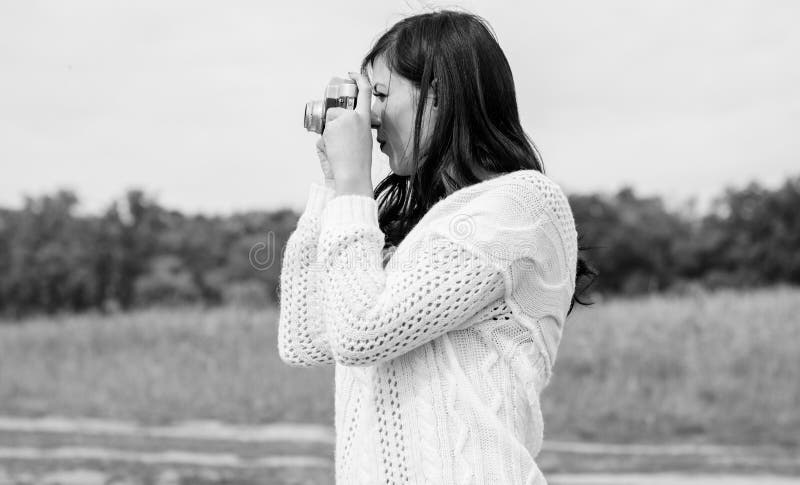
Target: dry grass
720 367
157 366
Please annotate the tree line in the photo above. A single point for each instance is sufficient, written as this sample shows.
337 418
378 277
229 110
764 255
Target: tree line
137 253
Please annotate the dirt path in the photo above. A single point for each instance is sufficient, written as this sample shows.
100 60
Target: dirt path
670 479
59 450
196 430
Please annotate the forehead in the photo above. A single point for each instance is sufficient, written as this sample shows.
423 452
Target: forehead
378 72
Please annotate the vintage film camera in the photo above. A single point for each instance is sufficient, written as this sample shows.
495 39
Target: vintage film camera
341 93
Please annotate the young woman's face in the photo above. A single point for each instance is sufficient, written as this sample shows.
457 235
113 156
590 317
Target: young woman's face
394 107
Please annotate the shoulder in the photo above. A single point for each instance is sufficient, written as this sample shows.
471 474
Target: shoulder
547 196
507 211
530 193
546 192
535 184
537 221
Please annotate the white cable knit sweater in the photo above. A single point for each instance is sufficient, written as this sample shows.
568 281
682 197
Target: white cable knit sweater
441 353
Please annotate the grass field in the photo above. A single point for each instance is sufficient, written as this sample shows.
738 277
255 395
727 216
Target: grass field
721 367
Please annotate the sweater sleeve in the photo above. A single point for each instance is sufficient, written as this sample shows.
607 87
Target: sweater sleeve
373 314
301 336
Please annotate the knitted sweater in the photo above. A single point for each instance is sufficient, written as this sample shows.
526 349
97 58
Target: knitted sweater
440 353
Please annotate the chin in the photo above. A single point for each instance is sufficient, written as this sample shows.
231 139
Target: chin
393 167
402 173
402 170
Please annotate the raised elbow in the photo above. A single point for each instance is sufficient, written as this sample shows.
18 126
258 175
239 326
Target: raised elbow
355 354
291 358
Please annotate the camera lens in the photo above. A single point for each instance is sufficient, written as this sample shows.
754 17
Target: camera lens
313 117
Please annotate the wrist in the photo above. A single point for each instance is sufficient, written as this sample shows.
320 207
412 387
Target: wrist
354 186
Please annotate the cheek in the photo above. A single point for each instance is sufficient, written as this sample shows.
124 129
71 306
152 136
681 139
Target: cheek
401 123
390 124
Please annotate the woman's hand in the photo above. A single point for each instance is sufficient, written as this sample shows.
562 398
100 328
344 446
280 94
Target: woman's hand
323 160
348 142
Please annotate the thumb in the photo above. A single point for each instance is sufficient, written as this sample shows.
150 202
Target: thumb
364 101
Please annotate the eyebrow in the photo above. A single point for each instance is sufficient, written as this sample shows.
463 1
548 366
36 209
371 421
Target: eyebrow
379 84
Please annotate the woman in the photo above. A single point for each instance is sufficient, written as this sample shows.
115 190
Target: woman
440 353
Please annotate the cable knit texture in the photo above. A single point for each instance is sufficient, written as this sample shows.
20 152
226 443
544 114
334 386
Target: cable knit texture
442 351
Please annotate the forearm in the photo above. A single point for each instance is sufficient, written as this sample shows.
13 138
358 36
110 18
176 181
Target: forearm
301 335
374 314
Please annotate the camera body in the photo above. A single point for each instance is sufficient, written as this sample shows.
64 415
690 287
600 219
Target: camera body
340 93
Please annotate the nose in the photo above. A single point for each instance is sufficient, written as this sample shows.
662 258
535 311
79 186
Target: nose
375 114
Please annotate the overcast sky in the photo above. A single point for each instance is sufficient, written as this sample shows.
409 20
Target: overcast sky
200 103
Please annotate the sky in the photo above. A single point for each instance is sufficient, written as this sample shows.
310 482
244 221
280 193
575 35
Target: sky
199 103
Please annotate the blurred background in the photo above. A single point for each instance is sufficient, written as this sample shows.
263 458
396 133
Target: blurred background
153 164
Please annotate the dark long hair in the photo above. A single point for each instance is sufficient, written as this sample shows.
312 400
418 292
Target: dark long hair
478 133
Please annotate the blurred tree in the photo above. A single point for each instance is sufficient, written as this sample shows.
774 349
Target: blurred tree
47 262
634 240
134 236
167 282
752 236
137 253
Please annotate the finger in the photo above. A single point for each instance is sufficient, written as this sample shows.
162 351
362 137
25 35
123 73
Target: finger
364 101
321 144
333 113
